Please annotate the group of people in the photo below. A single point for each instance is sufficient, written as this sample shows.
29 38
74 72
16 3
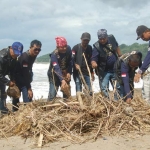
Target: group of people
83 61
18 66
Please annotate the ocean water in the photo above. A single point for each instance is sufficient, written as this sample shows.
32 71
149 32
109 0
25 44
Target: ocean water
40 84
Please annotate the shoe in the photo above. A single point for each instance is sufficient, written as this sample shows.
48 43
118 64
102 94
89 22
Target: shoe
5 111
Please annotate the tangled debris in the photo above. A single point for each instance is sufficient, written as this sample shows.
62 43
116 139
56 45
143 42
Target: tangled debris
48 122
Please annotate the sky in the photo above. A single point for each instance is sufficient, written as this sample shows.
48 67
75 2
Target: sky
26 20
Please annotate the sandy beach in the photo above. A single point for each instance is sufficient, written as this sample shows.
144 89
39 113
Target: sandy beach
138 142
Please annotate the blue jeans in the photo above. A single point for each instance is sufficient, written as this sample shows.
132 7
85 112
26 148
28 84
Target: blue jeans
3 107
78 82
104 83
24 96
53 88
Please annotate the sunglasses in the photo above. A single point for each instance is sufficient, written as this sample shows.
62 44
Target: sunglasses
37 49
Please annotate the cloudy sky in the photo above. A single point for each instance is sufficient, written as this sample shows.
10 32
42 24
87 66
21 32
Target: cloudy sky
26 20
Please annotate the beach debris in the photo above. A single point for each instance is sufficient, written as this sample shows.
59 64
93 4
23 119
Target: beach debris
13 92
47 122
66 90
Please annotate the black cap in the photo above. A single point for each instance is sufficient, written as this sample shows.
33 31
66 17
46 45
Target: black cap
86 36
140 30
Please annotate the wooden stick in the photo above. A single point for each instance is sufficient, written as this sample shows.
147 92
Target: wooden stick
60 104
70 128
86 87
40 140
89 74
99 129
79 98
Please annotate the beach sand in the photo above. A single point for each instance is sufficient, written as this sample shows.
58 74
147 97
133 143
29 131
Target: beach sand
137 142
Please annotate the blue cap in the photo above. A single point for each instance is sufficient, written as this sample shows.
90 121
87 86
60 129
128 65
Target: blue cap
17 48
102 34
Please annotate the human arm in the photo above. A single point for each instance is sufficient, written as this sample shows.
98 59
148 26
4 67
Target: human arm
118 51
94 58
56 67
125 79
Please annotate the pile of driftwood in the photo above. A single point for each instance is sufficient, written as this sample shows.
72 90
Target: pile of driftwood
78 122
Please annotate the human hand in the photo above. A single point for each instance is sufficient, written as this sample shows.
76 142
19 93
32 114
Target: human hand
30 93
94 64
128 100
68 77
63 84
77 66
11 84
137 77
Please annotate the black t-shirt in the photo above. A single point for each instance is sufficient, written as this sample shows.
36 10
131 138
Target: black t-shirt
24 70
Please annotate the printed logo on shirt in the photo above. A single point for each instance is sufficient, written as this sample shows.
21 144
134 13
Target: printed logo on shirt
25 65
123 75
54 63
73 52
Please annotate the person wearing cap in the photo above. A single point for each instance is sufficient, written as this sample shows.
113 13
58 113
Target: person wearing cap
105 53
8 58
24 74
124 69
60 69
79 62
143 32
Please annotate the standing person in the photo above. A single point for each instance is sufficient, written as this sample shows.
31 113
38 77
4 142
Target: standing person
79 62
143 32
24 74
105 53
124 73
60 69
8 57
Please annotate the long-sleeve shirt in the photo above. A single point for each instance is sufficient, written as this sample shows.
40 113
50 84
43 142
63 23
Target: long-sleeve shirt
146 61
127 75
61 63
110 60
7 66
125 79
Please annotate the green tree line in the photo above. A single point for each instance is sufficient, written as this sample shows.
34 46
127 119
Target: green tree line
124 49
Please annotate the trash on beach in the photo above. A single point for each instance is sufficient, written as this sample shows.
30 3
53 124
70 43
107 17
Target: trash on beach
65 120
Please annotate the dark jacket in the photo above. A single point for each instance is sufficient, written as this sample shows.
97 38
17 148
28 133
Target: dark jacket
7 66
77 53
125 74
24 74
60 63
101 54
119 66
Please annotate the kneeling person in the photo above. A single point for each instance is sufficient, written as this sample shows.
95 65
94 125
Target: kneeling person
124 69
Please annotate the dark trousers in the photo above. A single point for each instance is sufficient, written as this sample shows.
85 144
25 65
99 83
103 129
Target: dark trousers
24 96
3 96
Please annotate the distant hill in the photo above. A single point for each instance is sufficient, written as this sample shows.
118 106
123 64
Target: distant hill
44 58
143 48
124 48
